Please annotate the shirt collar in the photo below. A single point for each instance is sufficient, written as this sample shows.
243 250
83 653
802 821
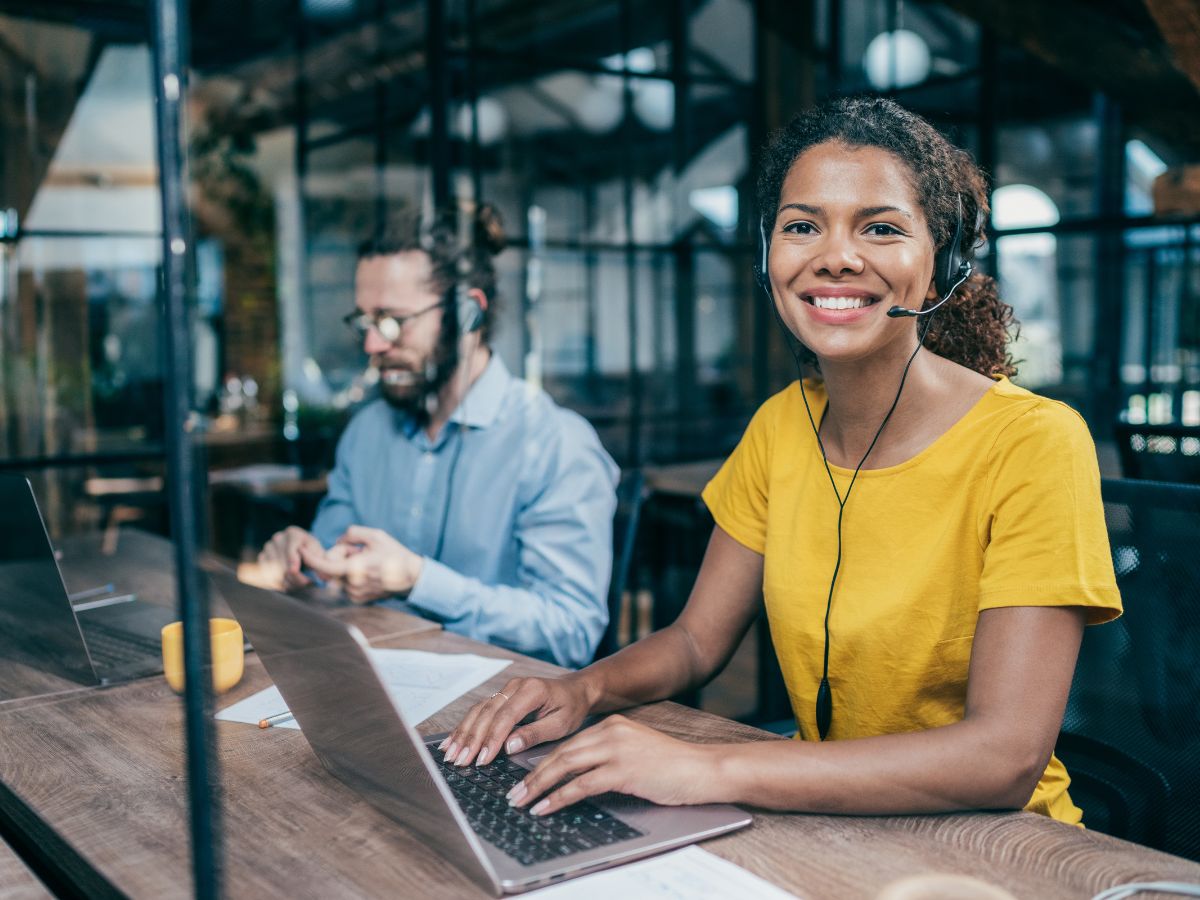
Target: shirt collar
481 406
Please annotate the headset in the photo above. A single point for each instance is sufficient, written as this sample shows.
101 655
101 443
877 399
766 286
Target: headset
952 266
469 317
469 312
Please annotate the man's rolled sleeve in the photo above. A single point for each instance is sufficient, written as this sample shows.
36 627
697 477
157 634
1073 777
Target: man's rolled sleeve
441 591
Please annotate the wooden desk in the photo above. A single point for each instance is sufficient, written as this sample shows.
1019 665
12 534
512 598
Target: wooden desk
16 881
682 479
105 769
144 564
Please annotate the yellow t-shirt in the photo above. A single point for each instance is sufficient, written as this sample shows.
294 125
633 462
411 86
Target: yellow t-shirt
1003 509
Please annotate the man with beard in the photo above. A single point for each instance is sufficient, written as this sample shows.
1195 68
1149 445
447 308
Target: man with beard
461 494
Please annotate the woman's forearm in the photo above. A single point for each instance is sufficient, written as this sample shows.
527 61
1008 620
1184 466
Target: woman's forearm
968 765
658 666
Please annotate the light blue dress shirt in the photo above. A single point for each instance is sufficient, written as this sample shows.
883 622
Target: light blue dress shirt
527 550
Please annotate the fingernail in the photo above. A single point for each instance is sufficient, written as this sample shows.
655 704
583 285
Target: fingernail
451 749
514 745
539 807
483 757
463 756
442 745
516 792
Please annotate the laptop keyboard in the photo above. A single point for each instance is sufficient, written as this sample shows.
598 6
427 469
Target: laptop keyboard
112 648
480 791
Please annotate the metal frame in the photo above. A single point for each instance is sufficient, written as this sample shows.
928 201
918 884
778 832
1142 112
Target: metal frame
185 483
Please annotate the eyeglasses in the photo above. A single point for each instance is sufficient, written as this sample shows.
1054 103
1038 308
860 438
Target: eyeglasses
390 327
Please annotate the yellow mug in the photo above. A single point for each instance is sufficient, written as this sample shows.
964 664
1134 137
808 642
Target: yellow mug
228 655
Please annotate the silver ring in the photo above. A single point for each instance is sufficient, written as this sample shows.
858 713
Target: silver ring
500 694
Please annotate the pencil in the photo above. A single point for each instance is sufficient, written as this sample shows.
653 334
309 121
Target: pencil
277 719
90 592
106 601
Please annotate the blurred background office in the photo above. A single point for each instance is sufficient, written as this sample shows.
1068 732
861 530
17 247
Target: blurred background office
619 141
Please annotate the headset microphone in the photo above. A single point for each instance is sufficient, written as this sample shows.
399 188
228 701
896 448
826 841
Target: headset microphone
900 312
951 267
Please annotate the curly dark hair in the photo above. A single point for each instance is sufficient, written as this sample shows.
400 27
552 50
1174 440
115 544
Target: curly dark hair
973 327
455 258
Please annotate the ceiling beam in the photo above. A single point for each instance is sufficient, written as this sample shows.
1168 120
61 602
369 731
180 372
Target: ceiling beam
46 78
1179 23
123 21
1108 46
355 60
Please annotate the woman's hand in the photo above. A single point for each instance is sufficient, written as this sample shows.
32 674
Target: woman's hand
559 704
624 756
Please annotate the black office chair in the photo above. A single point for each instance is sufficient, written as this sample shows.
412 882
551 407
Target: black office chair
1131 734
1167 453
631 491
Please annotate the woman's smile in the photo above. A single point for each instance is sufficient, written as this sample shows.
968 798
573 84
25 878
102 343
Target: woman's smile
838 304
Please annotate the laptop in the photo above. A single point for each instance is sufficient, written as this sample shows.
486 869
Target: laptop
322 668
97 640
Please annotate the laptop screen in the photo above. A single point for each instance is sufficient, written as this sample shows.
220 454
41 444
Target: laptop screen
37 626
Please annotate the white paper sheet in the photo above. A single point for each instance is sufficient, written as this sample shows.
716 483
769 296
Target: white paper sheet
688 874
420 682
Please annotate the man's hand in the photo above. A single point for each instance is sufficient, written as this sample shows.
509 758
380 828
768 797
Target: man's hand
280 561
368 564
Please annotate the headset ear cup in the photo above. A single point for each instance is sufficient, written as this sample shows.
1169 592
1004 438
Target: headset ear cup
950 267
760 270
469 311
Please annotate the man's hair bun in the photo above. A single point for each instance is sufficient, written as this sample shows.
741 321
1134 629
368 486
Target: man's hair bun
489 229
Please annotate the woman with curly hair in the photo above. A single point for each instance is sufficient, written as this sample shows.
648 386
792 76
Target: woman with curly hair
928 537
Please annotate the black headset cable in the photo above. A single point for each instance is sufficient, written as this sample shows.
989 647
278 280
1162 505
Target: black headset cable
824 706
